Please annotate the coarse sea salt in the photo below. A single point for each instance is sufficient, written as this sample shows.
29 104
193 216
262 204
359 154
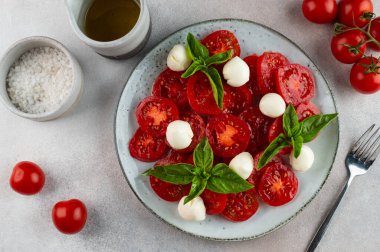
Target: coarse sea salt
40 80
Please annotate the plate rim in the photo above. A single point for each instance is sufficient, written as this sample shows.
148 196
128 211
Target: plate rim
281 224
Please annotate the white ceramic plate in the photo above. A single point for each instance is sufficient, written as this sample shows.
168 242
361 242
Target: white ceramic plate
253 38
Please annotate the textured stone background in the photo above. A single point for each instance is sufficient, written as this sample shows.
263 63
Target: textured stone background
78 155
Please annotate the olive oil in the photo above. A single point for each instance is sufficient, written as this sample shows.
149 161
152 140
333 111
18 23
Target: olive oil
108 20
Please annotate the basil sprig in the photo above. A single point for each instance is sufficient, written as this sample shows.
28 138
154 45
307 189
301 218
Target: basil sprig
219 178
203 62
296 133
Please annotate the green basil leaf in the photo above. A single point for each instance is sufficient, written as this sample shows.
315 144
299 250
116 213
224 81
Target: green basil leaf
203 155
216 85
273 148
197 187
311 126
196 49
297 145
218 58
178 174
290 121
192 69
224 180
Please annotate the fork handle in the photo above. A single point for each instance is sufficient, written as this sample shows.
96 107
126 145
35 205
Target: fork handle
323 227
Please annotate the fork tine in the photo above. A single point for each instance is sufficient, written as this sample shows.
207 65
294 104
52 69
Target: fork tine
367 146
371 158
362 139
368 151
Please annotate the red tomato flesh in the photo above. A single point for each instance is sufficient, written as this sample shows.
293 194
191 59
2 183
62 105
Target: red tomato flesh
228 135
274 130
241 206
306 109
214 202
198 127
252 83
236 99
146 147
295 83
278 185
222 41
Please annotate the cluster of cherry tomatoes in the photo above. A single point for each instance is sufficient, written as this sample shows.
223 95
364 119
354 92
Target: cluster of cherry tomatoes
356 30
69 216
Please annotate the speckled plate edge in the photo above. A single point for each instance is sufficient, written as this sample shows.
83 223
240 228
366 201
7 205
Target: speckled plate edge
281 224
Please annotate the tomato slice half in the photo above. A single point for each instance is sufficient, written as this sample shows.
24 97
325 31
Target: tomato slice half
307 109
267 63
236 99
169 84
198 127
168 191
214 202
259 125
278 185
274 130
222 41
241 206
146 147
228 135
295 83
155 113
251 61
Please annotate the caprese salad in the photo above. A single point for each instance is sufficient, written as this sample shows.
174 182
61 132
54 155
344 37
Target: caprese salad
220 127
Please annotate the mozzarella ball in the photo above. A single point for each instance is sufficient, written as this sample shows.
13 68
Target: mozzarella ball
236 72
272 105
179 134
194 210
242 164
178 60
304 161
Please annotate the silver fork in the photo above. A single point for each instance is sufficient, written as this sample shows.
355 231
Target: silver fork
358 160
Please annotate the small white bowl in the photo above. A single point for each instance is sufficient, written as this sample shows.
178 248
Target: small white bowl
15 52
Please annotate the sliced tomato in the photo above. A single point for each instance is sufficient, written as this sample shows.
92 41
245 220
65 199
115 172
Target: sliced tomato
173 157
255 176
200 95
236 99
222 41
168 191
278 185
214 202
267 63
228 135
155 113
307 109
274 130
251 61
197 126
146 147
241 206
169 84
259 125
295 83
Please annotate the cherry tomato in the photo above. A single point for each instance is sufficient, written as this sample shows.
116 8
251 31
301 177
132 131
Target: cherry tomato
306 109
200 95
241 206
198 127
222 41
274 130
146 147
252 83
349 46
278 185
214 202
259 125
169 84
155 113
355 12
69 216
266 66
228 135
295 83
236 99
27 178
365 75
320 11
375 33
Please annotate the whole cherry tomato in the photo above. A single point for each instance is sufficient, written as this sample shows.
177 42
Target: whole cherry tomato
27 178
375 33
349 46
365 75
319 11
355 12
69 216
